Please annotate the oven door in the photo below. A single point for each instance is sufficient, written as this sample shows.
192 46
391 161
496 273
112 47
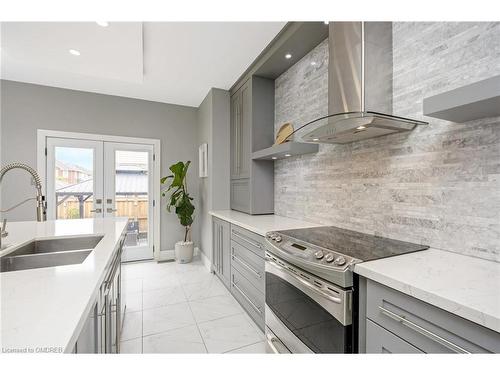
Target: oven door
305 313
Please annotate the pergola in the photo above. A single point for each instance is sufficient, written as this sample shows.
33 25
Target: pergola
127 183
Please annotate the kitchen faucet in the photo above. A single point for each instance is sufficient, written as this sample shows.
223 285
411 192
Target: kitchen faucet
41 207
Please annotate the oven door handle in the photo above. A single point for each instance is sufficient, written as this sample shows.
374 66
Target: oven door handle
304 282
274 344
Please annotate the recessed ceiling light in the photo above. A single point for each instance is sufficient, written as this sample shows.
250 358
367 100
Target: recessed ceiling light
74 52
315 139
326 22
287 155
288 56
313 63
274 157
102 23
361 127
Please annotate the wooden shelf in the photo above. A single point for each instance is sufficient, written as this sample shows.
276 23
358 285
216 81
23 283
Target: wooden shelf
467 103
285 150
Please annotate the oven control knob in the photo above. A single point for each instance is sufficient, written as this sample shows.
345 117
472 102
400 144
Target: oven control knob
278 239
319 254
329 258
273 236
340 261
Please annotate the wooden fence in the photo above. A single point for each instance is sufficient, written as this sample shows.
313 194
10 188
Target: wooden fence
133 207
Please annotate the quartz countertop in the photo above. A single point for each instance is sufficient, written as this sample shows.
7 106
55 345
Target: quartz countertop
463 285
45 308
261 224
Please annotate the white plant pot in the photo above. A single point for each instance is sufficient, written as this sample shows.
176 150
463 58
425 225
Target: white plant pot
184 251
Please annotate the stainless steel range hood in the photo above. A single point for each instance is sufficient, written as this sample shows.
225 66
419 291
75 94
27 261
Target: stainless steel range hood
359 86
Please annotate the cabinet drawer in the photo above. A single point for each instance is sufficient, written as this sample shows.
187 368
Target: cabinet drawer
248 296
249 240
250 265
240 195
381 341
427 327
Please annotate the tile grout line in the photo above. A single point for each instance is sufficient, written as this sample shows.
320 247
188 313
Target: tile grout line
244 346
142 316
182 286
196 323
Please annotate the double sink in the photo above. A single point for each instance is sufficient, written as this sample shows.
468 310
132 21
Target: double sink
49 253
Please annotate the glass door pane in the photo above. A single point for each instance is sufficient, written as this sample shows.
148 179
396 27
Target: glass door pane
74 179
128 194
131 194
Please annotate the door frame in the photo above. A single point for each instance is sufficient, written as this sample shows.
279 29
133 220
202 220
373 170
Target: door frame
43 134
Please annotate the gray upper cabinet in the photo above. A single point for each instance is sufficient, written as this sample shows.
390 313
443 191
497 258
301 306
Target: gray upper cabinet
252 129
241 132
221 257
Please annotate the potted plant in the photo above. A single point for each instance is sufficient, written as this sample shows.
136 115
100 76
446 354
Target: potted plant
180 199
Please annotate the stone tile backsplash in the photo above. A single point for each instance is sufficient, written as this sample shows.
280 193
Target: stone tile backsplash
439 184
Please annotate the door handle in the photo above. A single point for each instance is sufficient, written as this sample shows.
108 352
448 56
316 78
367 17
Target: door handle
245 265
424 332
254 306
304 282
247 240
110 210
97 210
275 343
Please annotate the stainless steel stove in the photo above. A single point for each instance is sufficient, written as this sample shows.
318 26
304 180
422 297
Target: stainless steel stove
311 291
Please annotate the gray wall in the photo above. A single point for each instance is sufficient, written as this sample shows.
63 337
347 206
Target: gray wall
438 185
26 108
213 128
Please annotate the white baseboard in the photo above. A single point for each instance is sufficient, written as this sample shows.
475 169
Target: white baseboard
206 262
166 255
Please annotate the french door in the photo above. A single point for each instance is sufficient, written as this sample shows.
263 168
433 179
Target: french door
89 178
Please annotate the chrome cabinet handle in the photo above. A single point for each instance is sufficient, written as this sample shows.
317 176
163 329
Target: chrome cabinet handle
221 245
244 238
254 306
424 332
305 282
248 267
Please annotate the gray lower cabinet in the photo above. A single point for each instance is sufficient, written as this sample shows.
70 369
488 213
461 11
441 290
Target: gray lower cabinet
380 340
399 323
249 297
221 257
102 327
87 342
238 260
248 272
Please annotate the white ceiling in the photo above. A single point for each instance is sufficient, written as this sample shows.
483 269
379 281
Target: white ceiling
170 62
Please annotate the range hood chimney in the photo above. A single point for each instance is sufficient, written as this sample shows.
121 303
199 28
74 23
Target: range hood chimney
359 86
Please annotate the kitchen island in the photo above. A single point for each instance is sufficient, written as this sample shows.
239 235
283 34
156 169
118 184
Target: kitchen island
45 309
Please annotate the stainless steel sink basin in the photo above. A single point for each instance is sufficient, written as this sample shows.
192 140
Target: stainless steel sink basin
49 253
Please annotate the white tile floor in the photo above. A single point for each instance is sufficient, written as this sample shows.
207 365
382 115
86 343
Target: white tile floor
183 308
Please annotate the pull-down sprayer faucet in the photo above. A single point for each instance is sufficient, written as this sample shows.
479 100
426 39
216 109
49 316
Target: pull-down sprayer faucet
41 207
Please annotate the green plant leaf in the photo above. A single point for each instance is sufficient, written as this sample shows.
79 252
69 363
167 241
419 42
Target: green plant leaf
178 196
164 179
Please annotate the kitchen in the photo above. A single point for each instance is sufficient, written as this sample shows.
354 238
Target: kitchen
345 193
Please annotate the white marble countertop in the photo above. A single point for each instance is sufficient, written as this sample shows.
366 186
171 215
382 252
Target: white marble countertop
46 307
465 286
261 224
